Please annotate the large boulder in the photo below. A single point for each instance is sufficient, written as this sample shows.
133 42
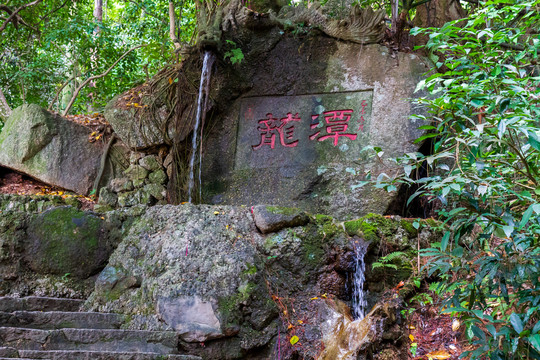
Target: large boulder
298 133
208 273
50 148
65 240
137 129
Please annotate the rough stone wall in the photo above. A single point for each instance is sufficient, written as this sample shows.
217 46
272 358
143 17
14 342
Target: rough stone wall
48 247
284 67
143 182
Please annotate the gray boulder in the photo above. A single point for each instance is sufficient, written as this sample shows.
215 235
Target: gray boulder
301 135
193 318
64 240
274 218
136 131
50 148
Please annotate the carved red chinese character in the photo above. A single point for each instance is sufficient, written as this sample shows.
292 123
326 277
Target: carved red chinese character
337 123
270 128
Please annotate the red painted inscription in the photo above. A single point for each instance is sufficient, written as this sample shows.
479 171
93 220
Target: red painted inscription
337 123
270 128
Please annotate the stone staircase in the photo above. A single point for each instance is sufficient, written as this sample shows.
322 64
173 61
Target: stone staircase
54 329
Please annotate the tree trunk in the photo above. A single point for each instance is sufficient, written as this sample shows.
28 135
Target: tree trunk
5 110
98 10
435 14
172 26
395 12
98 16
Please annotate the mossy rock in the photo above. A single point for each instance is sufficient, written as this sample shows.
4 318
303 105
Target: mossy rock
65 240
371 227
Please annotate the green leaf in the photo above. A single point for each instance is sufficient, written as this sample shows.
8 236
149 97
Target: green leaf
526 216
508 230
535 341
424 137
533 141
515 320
444 241
501 128
536 327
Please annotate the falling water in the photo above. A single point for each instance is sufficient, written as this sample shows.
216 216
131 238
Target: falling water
359 302
202 102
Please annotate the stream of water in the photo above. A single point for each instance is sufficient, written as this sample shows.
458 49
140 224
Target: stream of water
202 102
359 302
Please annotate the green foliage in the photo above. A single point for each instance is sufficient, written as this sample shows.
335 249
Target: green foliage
235 54
386 261
66 41
484 108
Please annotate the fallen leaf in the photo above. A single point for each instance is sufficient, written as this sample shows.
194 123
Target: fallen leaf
290 326
411 337
314 298
439 355
455 325
216 212
294 340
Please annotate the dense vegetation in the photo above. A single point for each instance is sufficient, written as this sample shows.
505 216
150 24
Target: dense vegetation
58 41
484 109
484 175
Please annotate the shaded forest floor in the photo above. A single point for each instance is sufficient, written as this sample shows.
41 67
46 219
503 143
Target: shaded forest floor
432 335
14 183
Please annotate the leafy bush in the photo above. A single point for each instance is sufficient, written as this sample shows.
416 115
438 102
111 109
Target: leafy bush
484 113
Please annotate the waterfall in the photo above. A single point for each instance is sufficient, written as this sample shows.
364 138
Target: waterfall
204 89
359 302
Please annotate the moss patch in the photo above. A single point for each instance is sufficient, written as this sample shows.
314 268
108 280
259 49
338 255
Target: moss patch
282 210
66 240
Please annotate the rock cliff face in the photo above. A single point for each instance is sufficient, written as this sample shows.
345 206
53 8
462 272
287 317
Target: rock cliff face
208 273
240 281
300 132
294 124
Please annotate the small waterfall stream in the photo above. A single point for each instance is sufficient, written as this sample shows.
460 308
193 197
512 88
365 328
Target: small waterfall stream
202 102
359 302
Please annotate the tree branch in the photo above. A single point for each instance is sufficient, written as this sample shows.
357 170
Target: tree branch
76 93
14 14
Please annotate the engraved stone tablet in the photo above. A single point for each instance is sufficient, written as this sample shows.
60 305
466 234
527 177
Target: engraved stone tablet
282 131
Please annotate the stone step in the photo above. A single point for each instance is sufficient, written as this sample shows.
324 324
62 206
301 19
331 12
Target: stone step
37 303
163 342
101 355
8 352
61 320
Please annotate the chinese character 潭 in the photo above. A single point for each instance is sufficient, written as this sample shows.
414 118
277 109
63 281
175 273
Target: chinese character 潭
337 123
271 127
